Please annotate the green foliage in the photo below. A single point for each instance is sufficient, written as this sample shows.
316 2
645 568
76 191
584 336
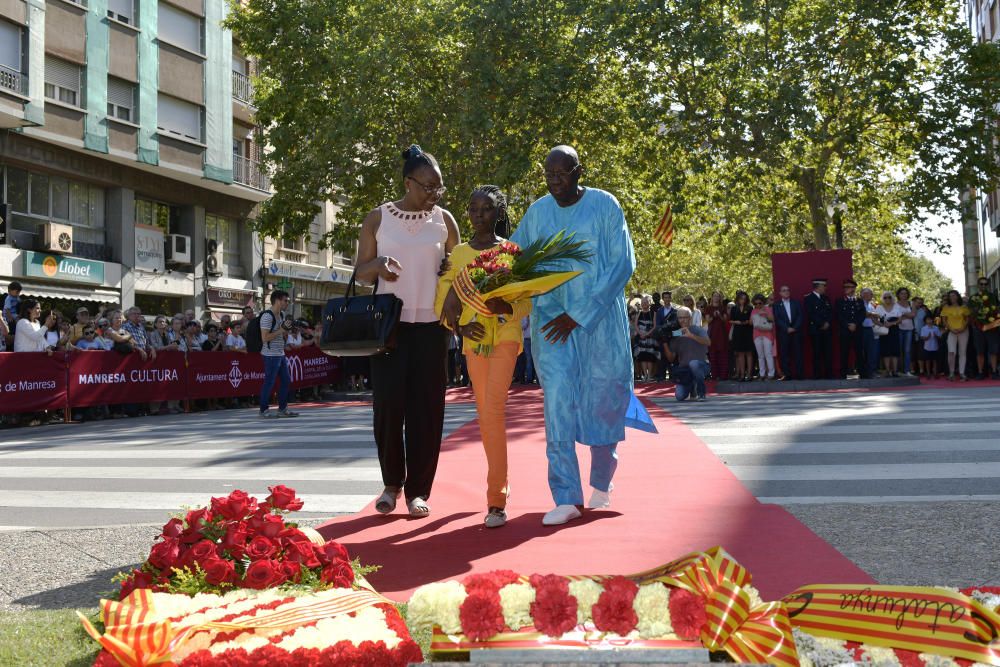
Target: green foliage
768 125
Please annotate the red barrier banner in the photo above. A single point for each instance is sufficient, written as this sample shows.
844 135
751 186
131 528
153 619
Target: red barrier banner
310 366
31 381
224 374
111 378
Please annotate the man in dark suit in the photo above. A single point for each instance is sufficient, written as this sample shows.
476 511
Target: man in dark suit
819 310
850 318
788 324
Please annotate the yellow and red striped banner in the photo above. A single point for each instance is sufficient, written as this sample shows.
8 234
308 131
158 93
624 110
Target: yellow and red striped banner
468 294
664 233
916 618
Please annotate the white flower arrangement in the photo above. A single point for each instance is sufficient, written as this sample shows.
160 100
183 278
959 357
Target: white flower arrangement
652 606
437 604
586 592
515 600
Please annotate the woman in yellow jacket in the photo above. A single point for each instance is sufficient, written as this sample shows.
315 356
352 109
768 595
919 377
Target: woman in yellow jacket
491 374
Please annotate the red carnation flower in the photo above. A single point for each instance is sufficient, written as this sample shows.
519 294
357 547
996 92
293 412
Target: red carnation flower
261 547
173 528
283 498
264 574
613 611
219 571
554 609
481 615
687 613
490 581
338 573
237 505
908 658
268 525
165 555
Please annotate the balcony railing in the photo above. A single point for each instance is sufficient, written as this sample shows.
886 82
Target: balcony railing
249 173
13 80
242 88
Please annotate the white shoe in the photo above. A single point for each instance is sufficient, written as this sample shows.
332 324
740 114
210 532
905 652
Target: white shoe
600 499
560 515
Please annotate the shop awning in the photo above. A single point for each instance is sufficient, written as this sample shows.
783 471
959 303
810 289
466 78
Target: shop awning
81 293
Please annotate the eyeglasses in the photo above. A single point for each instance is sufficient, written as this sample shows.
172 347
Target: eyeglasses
430 189
88 333
559 175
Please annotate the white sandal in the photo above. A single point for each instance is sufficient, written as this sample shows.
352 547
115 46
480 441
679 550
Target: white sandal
418 507
386 503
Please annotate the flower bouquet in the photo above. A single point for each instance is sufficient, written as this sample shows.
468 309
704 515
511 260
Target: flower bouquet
702 600
984 311
238 542
512 273
236 584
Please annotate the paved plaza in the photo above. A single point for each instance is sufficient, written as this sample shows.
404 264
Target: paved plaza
906 484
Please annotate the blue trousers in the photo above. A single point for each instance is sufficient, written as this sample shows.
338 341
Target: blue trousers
564 470
275 367
906 348
691 379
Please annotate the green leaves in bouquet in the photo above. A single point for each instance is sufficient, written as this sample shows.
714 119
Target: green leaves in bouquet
541 257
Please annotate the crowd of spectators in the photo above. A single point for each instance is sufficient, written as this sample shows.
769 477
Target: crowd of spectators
760 337
25 327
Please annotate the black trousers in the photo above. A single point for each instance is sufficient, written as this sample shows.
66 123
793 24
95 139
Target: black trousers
408 385
822 344
790 352
851 341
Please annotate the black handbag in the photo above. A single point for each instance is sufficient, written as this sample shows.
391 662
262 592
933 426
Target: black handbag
360 326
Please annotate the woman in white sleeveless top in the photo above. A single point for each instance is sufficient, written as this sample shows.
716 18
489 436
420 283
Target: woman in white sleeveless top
402 245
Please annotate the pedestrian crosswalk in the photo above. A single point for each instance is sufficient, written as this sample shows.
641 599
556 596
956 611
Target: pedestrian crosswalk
904 446
140 470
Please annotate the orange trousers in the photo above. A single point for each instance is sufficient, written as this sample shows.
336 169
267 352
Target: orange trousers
491 377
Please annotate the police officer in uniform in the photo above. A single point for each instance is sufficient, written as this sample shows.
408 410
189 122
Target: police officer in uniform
850 317
819 310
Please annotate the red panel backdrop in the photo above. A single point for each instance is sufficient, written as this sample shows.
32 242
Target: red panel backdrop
31 381
216 374
797 270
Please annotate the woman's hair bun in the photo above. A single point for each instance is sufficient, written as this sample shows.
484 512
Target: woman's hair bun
413 151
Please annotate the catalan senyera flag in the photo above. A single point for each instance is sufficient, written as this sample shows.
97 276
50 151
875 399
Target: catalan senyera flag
665 230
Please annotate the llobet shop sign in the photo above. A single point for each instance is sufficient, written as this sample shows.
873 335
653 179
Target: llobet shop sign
59 267
229 298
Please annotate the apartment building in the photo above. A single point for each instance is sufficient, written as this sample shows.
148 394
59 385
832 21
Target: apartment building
128 166
310 275
982 230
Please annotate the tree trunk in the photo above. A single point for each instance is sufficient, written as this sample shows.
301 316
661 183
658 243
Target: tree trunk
811 187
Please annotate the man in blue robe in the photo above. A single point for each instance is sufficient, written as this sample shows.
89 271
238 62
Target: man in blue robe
581 333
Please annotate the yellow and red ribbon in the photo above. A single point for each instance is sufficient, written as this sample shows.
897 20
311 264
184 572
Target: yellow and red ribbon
916 618
136 638
748 632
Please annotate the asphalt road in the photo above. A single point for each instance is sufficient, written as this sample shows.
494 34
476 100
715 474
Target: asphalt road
905 483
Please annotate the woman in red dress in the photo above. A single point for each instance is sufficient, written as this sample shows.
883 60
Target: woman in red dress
716 317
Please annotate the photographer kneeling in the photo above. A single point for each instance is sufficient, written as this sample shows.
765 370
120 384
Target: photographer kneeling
687 349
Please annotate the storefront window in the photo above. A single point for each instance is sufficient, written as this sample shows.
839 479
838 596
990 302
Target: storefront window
157 214
39 194
38 197
226 233
60 199
17 189
154 304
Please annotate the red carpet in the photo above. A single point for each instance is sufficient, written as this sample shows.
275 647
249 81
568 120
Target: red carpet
672 496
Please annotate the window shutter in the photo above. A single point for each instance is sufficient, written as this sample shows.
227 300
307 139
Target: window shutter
120 8
121 93
180 28
179 117
63 74
10 46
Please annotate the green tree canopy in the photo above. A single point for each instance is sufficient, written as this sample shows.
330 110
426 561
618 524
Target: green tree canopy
768 125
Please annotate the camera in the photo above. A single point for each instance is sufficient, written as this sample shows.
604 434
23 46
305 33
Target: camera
666 331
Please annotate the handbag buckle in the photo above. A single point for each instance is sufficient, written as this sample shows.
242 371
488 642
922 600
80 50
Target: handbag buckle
378 315
371 307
